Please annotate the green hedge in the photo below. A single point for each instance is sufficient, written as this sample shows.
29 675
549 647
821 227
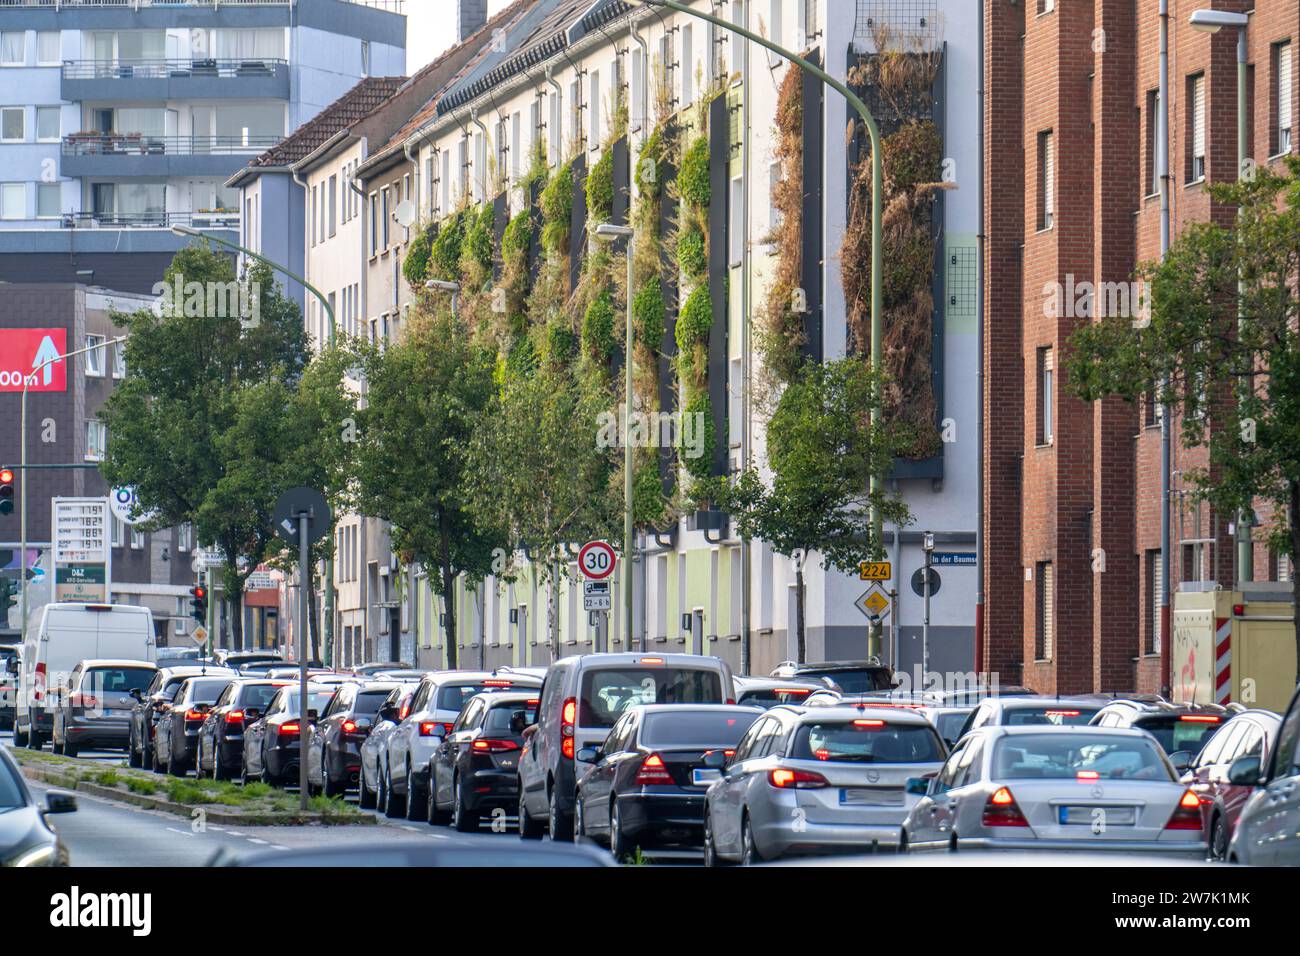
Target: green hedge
696 319
691 254
600 189
648 313
693 180
598 328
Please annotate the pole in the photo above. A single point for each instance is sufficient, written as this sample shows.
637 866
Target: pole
1166 431
304 557
1245 556
629 541
925 626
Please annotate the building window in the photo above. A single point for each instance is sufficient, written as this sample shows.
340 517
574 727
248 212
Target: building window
47 124
13 124
13 48
1153 142
137 539
736 225
384 212
688 61
96 440
480 167
13 201
95 355
314 207
1196 128
1046 6
334 204
47 48
48 200
1046 179
119 529
430 186
1283 106
593 119
557 126
516 146
776 34
185 537
575 108
1046 396
374 224
1045 627
445 182
119 360
1151 637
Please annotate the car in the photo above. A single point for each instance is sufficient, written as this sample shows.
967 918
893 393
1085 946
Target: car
439 699
271 743
852 677
26 839
234 659
294 672
375 747
647 781
96 710
426 853
538 672
179 655
1268 828
175 741
1180 728
405 676
221 736
374 667
582 698
815 780
258 668
152 702
1055 787
947 718
770 691
475 769
334 750
9 669
1250 733
1040 710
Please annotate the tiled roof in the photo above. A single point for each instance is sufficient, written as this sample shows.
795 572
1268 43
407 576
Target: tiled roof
352 106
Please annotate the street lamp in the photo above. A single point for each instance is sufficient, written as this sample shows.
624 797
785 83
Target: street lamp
877 211
446 286
927 545
609 232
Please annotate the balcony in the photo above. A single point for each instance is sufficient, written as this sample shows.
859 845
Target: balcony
213 219
391 6
134 154
192 79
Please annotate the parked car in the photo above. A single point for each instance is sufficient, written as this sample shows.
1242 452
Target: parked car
581 700
1252 733
96 710
1036 711
60 636
152 702
475 769
271 743
1056 787
294 672
374 750
1268 827
647 781
334 751
770 691
369 670
235 659
817 779
221 736
852 677
179 655
176 735
9 668
438 701
25 838
1182 729
947 718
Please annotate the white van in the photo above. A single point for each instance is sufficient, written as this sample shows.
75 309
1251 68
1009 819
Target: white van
59 637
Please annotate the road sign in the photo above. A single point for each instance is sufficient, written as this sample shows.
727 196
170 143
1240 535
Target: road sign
82 556
259 580
961 559
205 558
596 596
874 603
23 350
200 635
294 502
918 582
875 571
596 559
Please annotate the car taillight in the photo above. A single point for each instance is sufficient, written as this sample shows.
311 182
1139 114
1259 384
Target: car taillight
728 753
653 772
1062 713
38 681
195 715
429 728
485 745
234 716
349 726
784 778
1199 718
1001 810
568 714
869 724
566 747
1087 776
498 683
1187 815
290 729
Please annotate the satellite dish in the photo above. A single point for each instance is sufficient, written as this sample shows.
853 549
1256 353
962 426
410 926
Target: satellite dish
405 214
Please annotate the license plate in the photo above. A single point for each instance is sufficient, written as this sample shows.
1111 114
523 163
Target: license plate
702 777
867 797
1089 816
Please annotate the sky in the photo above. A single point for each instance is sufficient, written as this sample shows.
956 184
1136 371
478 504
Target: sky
431 29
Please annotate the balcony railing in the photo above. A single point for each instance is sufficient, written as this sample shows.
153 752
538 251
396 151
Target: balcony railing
137 144
219 219
167 69
392 6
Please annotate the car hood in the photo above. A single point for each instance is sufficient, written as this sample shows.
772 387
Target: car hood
21 828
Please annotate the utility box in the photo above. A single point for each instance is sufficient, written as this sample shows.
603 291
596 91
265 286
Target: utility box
1235 646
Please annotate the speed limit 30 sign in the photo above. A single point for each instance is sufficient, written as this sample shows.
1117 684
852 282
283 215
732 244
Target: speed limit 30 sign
596 560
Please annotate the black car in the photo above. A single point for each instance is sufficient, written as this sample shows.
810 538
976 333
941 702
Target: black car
851 677
1180 728
25 838
334 751
154 701
475 769
221 738
647 785
176 735
271 742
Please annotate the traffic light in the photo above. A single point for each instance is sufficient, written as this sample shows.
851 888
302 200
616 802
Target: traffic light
6 491
8 597
199 603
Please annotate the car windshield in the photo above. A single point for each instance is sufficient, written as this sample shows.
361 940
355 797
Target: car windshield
606 693
257 695
867 740
771 696
11 790
693 728
1175 733
1080 756
116 680
500 719
1059 715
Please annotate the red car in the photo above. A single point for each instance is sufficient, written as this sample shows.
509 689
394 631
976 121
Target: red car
1250 732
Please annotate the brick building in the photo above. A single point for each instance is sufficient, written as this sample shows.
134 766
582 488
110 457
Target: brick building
1072 195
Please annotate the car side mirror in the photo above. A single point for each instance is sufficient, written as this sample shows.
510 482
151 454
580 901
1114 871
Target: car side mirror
918 786
716 760
60 801
136 693
1245 771
588 755
1181 759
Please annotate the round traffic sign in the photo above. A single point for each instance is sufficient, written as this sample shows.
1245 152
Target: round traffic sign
596 560
918 582
298 501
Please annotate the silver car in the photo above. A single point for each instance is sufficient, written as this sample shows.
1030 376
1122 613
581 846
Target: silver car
1268 829
1056 788
809 779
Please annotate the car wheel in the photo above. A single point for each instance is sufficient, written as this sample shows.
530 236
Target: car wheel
579 821
463 819
20 736
70 750
1218 849
381 790
395 805
218 771
365 796
902 842
417 807
618 844
134 758
155 764
559 825
329 787
529 829
55 746
751 854
711 857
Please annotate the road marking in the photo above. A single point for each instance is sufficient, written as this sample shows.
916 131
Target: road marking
182 832
412 829
259 842
229 832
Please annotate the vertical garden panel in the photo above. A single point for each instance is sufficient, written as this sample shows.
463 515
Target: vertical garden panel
500 219
812 258
719 243
668 347
578 221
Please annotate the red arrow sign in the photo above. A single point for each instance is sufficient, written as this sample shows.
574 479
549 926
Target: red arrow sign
22 351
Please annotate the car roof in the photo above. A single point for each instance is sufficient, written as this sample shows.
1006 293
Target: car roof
585 661
1021 730
497 697
832 665
196 670
472 677
707 708
897 715
1038 700
1146 707
750 682
115 662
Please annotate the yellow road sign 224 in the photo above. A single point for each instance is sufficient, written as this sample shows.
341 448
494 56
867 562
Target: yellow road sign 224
875 571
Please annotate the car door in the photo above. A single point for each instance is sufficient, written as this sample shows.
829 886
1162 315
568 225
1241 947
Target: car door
449 753
730 795
1271 822
532 762
923 826
598 784
399 744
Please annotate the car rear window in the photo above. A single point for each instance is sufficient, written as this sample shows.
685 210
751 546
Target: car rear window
116 680
859 681
1176 734
1080 756
950 725
1058 715
771 696
368 702
317 700
501 717
607 692
693 728
867 740
456 696
257 695
207 691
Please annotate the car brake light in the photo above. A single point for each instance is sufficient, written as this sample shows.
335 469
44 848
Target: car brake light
1087 776
729 753
653 772
498 683
484 745
784 778
567 715
234 716
869 723
533 703
195 715
1062 713
289 729
428 728
651 660
1187 815
38 683
349 726
566 747
1001 810
1200 718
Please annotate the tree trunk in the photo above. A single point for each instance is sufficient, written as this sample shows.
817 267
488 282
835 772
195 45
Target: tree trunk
553 612
235 597
448 586
802 646
312 622
1295 563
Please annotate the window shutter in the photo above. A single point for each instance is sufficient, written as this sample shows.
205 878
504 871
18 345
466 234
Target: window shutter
1049 177
1284 104
1157 589
1049 600
1198 116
